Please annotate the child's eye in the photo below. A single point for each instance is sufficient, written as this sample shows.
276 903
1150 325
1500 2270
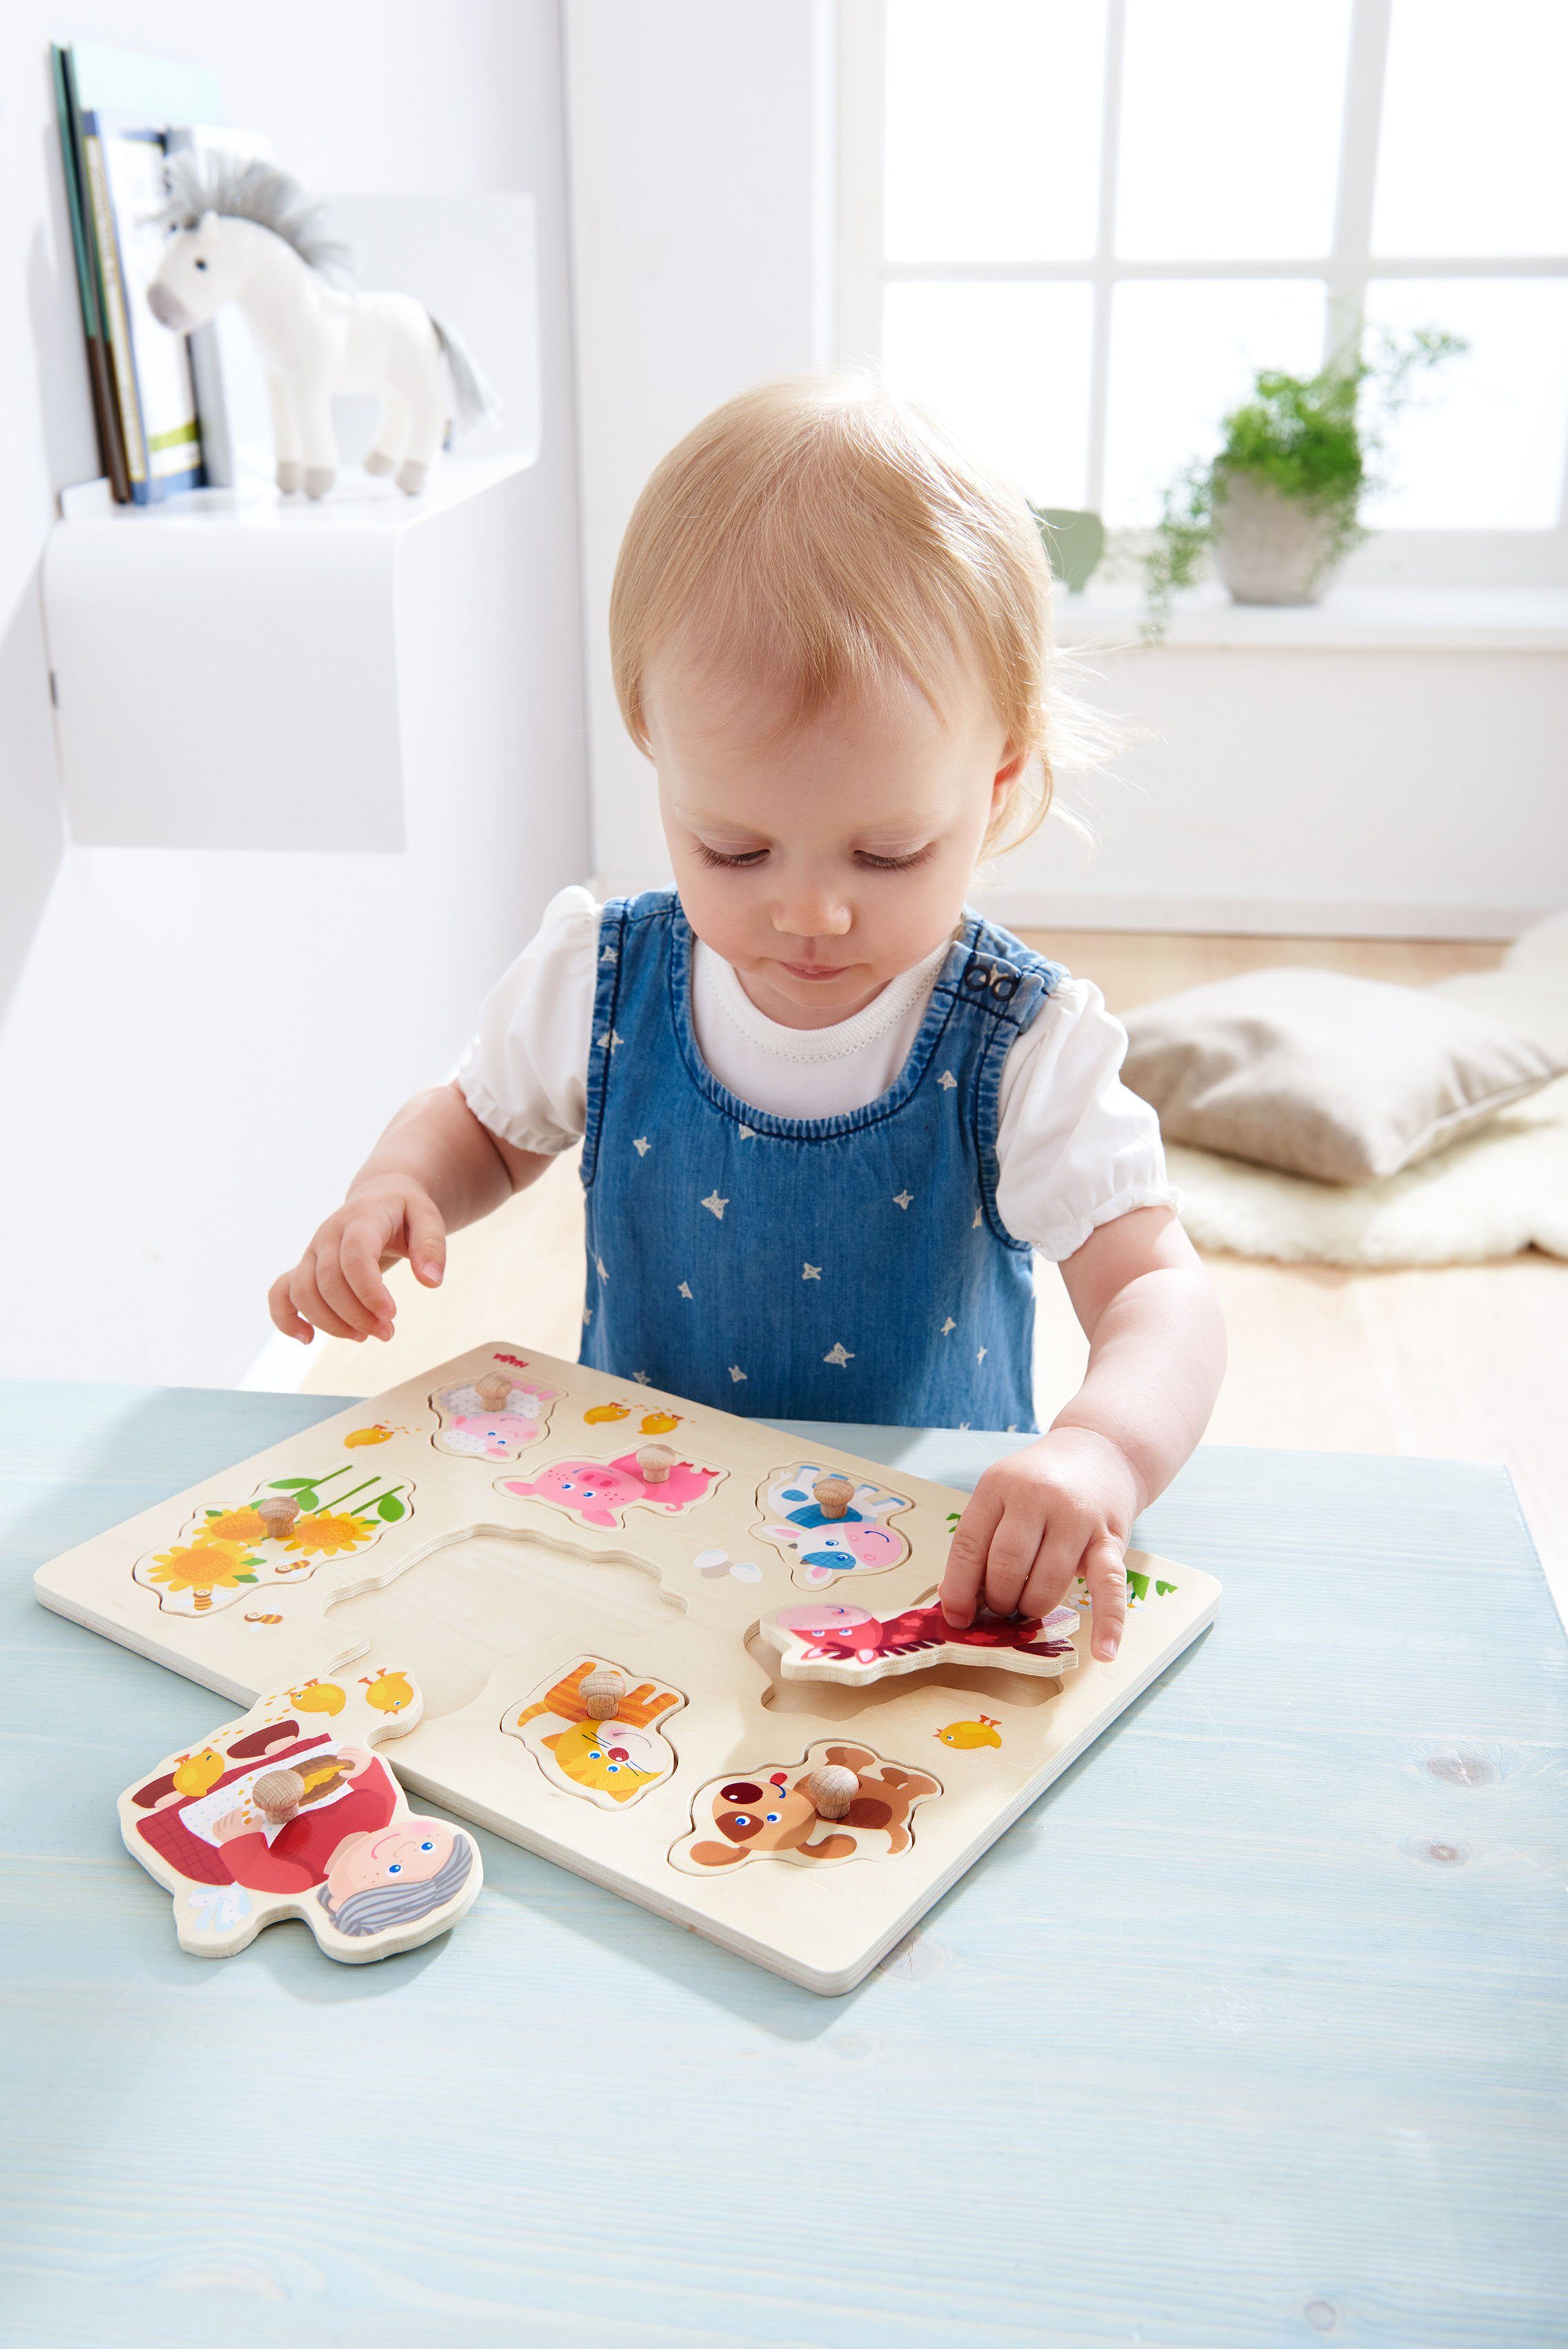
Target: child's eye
891 863
738 863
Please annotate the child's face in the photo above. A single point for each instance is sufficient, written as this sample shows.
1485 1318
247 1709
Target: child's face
823 858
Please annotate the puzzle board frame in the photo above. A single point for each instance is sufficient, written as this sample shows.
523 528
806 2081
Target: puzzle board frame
485 1593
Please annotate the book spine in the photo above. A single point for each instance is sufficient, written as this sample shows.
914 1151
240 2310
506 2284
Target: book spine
105 414
115 318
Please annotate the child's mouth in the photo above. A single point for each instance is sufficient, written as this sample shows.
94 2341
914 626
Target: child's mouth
815 970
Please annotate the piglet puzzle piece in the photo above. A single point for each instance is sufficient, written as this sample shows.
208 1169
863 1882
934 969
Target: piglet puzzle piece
785 1812
835 1640
288 1813
600 1492
611 1748
828 1525
494 1416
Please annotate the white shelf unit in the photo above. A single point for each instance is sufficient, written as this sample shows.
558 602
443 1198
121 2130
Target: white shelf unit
235 669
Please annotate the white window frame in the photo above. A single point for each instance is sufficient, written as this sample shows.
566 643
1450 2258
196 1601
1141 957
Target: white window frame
1473 556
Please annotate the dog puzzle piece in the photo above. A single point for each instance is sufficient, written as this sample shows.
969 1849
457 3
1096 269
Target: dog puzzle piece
804 1812
288 1813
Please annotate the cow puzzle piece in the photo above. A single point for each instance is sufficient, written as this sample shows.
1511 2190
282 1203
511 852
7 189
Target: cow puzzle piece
828 1525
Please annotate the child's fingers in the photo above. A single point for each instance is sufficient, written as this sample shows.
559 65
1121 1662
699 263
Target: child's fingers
1015 1548
1106 1575
281 1306
1059 1557
360 1262
337 1294
426 1243
967 1557
304 1295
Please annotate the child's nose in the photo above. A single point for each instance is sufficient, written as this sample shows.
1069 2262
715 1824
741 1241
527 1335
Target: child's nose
811 914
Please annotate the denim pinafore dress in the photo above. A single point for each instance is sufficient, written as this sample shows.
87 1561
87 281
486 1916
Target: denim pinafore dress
848 1268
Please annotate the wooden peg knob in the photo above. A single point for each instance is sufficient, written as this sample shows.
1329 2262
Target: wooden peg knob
277 1513
602 1691
832 1495
832 1788
493 1390
654 1461
279 1793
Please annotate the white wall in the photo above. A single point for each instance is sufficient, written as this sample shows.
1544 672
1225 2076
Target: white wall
702 189
197 1048
1353 792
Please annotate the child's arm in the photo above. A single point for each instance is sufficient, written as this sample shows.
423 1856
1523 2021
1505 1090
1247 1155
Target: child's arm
1066 1505
435 1169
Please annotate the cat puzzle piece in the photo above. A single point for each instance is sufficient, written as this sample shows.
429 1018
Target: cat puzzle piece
288 1813
594 1734
828 1525
834 1639
843 1801
494 1416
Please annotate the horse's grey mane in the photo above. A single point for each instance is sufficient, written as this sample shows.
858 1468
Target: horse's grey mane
254 192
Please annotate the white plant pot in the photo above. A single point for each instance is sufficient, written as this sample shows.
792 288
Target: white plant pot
1270 549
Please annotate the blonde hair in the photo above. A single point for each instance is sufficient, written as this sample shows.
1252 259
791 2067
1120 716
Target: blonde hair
824 533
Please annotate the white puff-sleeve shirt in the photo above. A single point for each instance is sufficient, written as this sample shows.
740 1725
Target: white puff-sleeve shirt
1074 1149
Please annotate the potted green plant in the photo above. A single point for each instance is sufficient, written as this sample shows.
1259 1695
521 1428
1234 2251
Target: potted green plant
1278 507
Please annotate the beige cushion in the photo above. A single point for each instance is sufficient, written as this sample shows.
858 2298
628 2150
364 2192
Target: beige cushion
1343 1078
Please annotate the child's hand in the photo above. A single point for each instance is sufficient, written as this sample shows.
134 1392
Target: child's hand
337 1282
1065 1506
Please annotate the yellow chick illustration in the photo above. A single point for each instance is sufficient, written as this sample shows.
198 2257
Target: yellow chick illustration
389 1691
983 1731
377 1434
601 1410
659 1422
195 1773
318 1696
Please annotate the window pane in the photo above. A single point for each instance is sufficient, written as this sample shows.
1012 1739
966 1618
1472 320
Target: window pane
1007 368
1230 128
1482 445
992 129
1180 356
1471 155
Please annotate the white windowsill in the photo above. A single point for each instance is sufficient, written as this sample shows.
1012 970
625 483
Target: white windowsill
1349 619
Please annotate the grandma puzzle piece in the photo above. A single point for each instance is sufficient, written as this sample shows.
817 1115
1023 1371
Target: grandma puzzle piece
288 1813
697 1660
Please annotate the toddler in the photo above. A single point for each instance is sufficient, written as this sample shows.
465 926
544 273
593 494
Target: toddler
829 1117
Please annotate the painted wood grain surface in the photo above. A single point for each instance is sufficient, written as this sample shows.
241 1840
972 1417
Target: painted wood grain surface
1251 2033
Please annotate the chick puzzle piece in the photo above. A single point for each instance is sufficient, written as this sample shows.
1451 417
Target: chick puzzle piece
288 1813
834 1639
642 1608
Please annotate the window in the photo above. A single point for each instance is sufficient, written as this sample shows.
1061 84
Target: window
1075 227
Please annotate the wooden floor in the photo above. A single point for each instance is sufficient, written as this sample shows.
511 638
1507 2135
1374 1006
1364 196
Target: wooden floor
1468 1362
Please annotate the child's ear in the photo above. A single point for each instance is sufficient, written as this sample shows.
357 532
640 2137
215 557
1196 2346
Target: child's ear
1005 778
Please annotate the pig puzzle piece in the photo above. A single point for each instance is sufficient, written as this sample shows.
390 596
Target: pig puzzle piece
600 1492
288 1813
834 1639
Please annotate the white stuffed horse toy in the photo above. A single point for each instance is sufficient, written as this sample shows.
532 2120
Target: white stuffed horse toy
246 232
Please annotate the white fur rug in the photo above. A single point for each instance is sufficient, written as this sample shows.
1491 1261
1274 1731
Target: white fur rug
1503 1189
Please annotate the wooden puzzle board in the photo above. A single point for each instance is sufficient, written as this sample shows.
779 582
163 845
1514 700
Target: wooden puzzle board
496 1548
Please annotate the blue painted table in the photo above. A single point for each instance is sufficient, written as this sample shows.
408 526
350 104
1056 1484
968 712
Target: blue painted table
1251 2032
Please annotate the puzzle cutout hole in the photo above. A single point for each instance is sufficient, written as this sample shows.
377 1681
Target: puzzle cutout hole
487 1595
830 1701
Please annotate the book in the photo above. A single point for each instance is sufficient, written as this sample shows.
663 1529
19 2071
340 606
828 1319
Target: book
153 365
90 291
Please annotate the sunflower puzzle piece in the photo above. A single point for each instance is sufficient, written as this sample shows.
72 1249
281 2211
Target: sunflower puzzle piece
288 1813
829 1525
834 1639
281 1534
594 1734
